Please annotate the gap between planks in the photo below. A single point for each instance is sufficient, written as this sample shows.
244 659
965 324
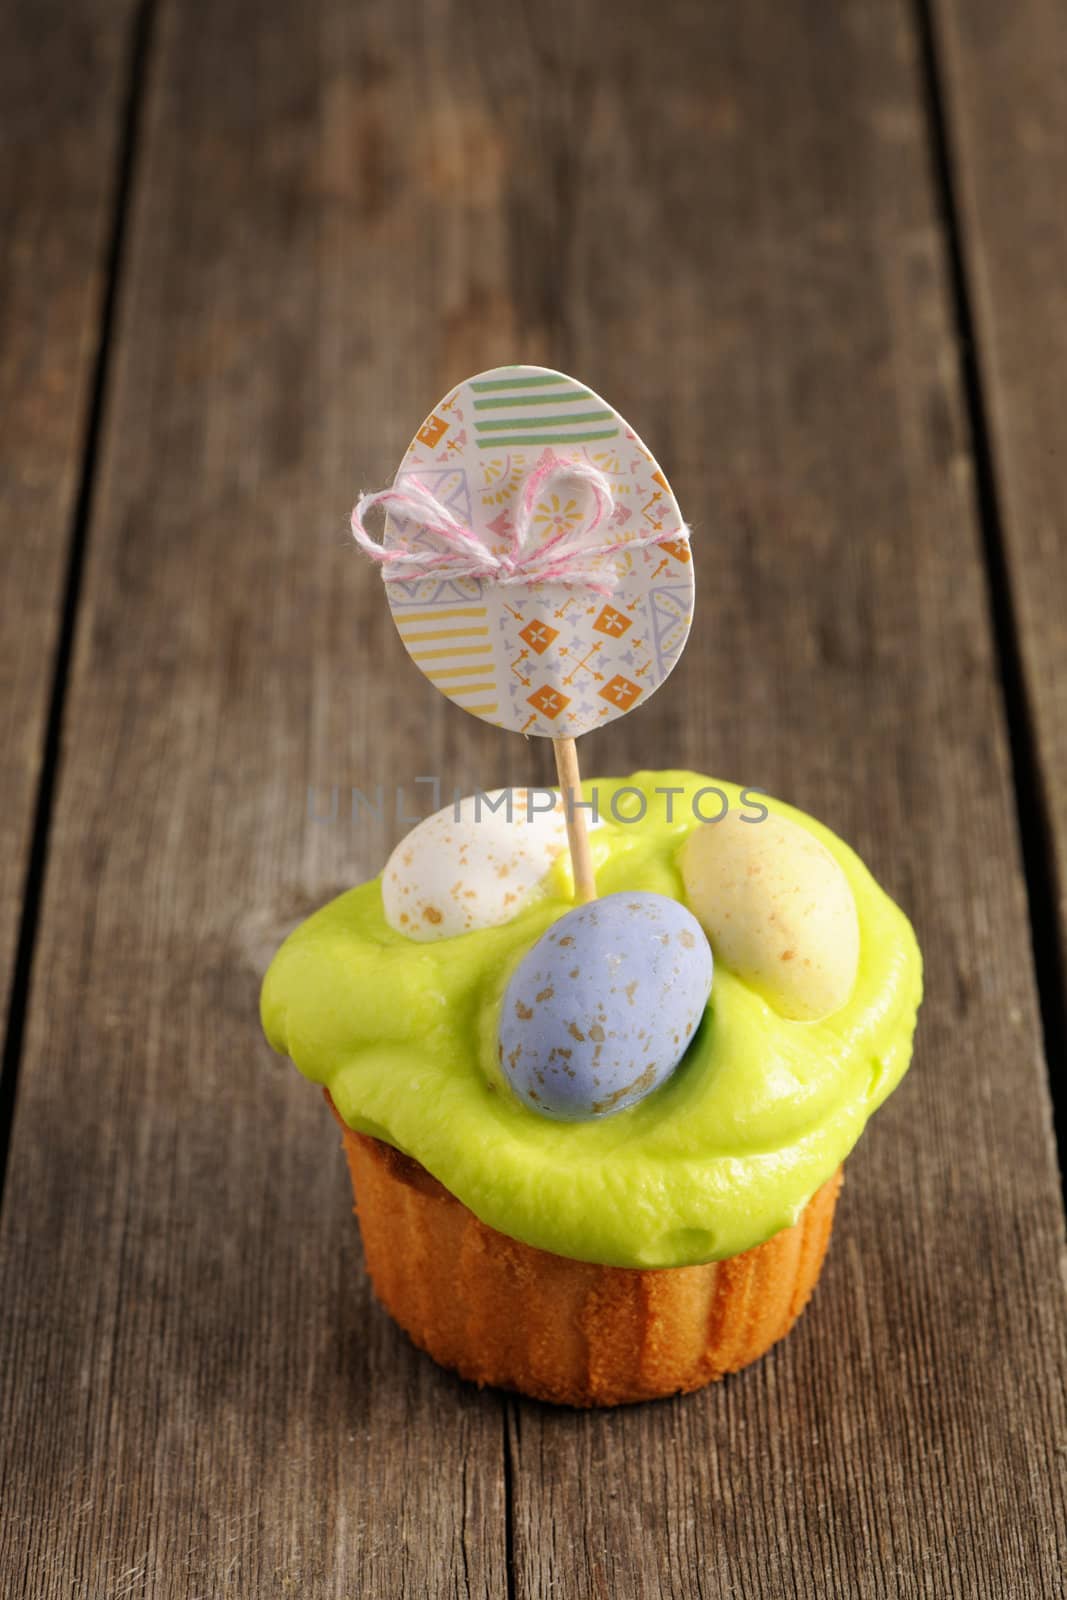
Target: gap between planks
138 51
1031 808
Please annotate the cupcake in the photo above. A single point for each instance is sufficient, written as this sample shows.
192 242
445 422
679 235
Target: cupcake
596 1150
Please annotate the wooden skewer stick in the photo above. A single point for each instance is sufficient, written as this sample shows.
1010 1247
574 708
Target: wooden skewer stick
570 784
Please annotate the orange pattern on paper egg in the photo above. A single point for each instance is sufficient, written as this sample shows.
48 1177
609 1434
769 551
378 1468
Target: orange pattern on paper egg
620 692
612 622
432 430
549 701
678 548
538 635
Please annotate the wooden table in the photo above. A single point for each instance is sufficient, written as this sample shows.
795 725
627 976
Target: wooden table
816 255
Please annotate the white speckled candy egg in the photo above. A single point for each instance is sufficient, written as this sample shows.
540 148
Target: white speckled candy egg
602 1009
778 910
469 866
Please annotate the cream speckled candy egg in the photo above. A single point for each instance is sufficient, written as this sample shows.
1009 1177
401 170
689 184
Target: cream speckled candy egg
469 866
778 910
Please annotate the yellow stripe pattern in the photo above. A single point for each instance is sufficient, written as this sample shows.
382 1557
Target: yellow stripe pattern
446 633
479 695
456 650
446 674
445 614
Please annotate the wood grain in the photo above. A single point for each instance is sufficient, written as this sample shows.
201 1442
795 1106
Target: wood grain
720 217
204 1399
1004 74
62 89
775 244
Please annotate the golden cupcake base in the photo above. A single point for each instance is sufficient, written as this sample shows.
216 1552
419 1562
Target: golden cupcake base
504 1313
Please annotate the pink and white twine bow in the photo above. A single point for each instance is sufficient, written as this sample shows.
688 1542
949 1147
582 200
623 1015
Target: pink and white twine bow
566 557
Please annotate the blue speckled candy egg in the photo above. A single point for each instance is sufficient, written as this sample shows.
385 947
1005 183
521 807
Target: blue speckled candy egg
601 1010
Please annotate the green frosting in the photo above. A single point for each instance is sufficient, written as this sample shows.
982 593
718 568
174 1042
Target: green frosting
729 1150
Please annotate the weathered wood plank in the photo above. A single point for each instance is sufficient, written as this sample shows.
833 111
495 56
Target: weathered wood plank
205 1398
62 89
1004 75
768 227
200 1395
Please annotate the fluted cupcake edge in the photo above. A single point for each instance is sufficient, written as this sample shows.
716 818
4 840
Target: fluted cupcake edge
574 1333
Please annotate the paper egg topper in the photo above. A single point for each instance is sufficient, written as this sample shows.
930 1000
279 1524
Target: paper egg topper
536 563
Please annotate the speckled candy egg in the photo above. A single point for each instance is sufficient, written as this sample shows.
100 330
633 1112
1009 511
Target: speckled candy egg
601 1010
778 909
471 865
